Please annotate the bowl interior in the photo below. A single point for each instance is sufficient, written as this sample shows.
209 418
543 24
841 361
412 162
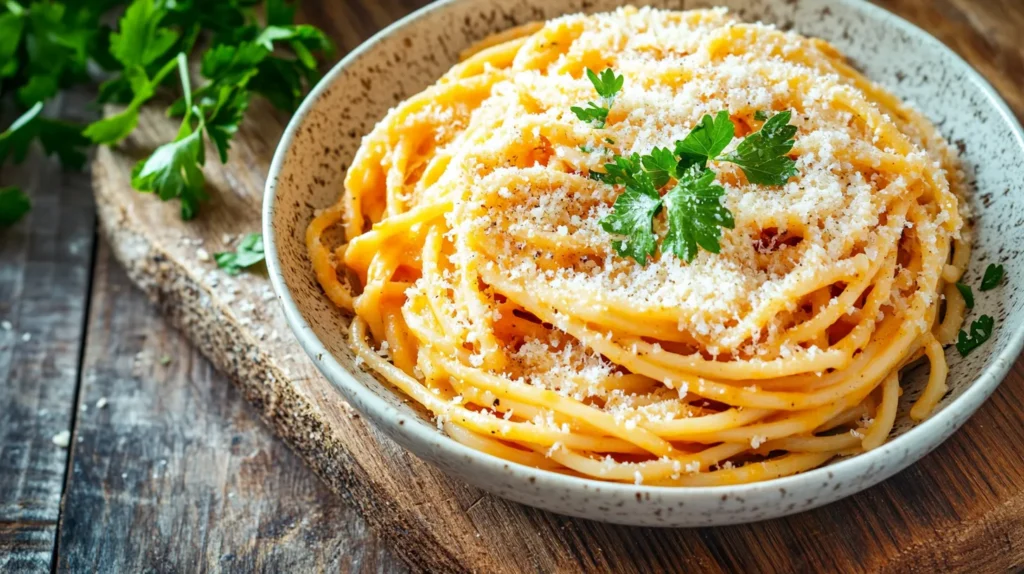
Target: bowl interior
412 54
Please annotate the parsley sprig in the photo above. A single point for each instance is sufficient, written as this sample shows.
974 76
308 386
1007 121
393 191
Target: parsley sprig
175 169
48 45
695 215
607 85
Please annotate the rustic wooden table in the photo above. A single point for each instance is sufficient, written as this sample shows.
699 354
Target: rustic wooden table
185 477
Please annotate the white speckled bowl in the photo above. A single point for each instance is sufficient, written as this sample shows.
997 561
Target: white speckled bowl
406 57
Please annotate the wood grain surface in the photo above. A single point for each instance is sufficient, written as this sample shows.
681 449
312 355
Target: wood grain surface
961 508
172 470
174 474
44 287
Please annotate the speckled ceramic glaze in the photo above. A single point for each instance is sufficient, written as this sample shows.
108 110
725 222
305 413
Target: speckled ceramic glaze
403 59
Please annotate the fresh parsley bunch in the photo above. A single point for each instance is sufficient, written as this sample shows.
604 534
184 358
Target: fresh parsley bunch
47 46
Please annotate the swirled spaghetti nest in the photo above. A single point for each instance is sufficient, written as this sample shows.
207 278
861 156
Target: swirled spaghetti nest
488 292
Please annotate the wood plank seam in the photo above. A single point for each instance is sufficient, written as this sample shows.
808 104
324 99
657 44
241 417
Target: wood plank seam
75 406
45 263
177 295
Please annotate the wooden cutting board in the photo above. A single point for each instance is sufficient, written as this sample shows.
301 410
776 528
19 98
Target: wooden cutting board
960 509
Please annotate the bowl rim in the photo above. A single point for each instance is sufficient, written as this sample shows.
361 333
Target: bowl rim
923 433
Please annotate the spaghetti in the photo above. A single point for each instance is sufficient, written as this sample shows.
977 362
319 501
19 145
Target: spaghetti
467 245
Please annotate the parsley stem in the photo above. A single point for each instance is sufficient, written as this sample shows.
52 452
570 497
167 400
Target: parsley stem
23 120
186 82
167 69
186 88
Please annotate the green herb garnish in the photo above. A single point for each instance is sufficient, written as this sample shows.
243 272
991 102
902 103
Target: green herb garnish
981 330
967 293
633 214
993 277
761 115
249 253
707 140
607 85
661 165
695 214
762 154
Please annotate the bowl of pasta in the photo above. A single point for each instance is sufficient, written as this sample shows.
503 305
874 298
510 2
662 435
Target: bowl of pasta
654 266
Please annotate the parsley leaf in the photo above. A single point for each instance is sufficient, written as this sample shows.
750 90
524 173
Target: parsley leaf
621 171
607 85
112 129
993 277
249 253
707 140
593 114
967 293
761 115
54 47
303 39
14 204
279 13
661 165
57 137
233 64
279 82
695 212
696 215
11 27
981 330
762 154
63 139
223 116
632 217
141 38
175 169
282 81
